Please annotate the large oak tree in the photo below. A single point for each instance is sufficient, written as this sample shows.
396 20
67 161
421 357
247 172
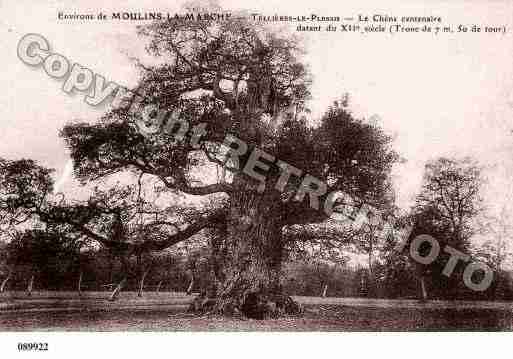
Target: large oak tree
227 78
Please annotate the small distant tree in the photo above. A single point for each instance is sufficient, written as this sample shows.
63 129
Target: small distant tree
6 266
446 209
496 251
395 271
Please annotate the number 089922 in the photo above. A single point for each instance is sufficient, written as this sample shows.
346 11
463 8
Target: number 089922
32 347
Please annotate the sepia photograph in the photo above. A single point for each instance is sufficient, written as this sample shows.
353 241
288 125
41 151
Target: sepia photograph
241 167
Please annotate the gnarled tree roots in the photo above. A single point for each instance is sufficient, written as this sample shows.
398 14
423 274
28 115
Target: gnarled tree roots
251 305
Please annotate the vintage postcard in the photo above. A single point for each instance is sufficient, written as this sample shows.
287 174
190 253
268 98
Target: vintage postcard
242 166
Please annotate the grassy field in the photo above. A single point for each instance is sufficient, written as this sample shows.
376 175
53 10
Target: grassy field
63 311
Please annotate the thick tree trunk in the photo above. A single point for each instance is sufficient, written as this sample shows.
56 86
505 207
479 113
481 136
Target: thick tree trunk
4 282
250 259
141 284
118 289
30 286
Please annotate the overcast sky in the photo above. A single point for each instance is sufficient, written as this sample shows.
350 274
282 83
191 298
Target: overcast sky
439 95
